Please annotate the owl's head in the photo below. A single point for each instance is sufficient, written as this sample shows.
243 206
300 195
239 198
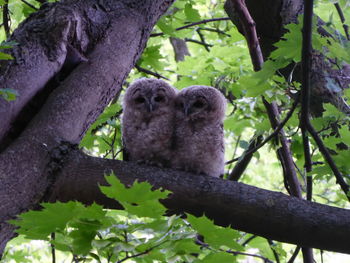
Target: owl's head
200 103
150 96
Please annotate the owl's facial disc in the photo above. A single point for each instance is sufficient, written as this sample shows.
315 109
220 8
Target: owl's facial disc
196 106
142 102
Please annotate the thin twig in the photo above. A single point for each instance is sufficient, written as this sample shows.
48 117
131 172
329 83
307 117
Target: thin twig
326 155
273 134
248 240
242 164
266 260
5 18
53 250
294 256
201 36
155 74
206 45
203 244
342 19
135 255
214 30
29 4
194 24
275 254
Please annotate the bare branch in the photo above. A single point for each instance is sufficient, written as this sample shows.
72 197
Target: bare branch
294 256
245 160
155 74
6 18
342 19
206 45
29 4
273 134
340 180
250 33
201 36
194 24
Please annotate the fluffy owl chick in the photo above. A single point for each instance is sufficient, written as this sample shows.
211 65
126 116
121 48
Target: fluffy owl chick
148 121
199 136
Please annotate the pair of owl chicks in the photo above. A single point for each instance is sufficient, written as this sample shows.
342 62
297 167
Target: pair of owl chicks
180 130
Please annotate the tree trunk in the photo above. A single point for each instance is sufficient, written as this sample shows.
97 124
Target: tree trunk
270 17
98 42
111 35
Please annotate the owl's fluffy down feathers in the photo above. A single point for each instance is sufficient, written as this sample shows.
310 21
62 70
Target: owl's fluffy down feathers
148 121
199 136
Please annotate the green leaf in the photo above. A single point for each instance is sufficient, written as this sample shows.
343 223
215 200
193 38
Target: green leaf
192 14
214 235
289 47
135 194
151 58
139 199
53 217
165 27
4 56
218 257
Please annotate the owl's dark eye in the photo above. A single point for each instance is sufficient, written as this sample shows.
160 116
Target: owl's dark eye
159 98
179 105
140 100
198 104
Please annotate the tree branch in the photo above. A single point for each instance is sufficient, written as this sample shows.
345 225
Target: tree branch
284 153
273 134
30 5
249 33
5 18
206 45
326 155
149 72
194 24
342 19
269 214
243 162
305 118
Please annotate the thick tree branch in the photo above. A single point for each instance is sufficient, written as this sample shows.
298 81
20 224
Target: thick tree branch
28 165
269 214
249 31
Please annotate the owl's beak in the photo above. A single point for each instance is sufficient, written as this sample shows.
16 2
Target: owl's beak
150 106
187 110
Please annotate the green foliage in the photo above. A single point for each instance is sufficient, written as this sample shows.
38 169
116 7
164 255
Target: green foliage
141 231
219 57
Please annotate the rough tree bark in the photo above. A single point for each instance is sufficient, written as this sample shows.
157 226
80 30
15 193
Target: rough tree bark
37 164
270 214
111 35
270 17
